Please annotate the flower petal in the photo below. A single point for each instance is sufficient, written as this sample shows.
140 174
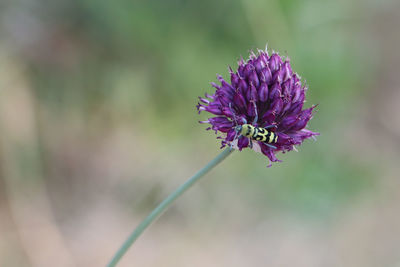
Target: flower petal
243 142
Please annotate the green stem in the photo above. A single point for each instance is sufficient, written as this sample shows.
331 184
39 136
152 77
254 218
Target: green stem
165 204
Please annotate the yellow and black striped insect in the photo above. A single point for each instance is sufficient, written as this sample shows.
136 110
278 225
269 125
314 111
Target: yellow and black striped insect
255 133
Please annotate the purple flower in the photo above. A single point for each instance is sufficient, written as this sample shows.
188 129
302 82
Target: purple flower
263 92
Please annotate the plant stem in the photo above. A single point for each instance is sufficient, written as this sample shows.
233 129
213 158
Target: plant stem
165 204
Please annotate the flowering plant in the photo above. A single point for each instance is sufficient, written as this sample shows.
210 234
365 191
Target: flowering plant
266 92
261 108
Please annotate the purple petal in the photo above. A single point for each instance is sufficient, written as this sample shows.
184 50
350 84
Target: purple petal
296 108
275 62
253 78
259 64
239 100
224 129
220 120
251 94
287 88
277 76
287 71
275 91
287 122
286 105
299 125
303 119
268 118
241 69
277 106
225 86
264 56
267 151
234 79
243 142
248 69
263 92
204 100
224 100
209 96
266 75
283 139
216 86
243 86
214 109
227 112
251 111
230 135
297 92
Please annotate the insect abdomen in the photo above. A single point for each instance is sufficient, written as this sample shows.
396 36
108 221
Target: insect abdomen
259 134
263 135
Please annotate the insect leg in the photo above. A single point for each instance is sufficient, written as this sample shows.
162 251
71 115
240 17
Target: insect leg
234 138
251 143
236 124
271 146
233 113
270 126
255 110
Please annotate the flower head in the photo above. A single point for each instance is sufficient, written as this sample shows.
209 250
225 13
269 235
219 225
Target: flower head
263 92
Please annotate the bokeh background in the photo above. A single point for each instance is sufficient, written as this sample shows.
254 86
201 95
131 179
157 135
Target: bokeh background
98 124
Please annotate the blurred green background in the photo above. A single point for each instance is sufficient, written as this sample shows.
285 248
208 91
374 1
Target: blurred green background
98 124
